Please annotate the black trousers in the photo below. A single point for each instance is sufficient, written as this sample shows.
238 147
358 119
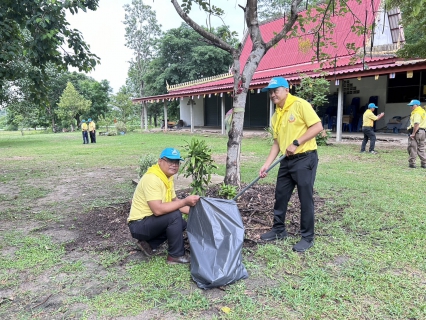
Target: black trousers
93 136
298 172
368 134
157 229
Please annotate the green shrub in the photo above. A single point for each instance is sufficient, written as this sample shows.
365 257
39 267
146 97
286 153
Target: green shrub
199 165
145 162
322 137
120 126
227 191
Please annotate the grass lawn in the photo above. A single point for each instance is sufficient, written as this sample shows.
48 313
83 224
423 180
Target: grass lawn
368 262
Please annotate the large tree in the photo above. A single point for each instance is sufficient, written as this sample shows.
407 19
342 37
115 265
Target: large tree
142 33
71 104
243 74
183 55
38 33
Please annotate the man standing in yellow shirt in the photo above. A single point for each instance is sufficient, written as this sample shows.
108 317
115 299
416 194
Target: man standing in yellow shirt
156 212
368 127
84 131
295 126
416 138
92 130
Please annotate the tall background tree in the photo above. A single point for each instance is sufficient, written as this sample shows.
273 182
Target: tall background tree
37 33
243 74
71 104
183 55
142 33
123 107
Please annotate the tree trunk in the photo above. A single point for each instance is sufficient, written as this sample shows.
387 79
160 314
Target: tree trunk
235 135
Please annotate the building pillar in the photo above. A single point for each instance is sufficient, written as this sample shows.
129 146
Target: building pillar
165 115
191 111
222 108
145 115
271 111
339 112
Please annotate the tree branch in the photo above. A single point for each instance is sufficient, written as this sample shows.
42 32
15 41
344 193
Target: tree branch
291 21
214 39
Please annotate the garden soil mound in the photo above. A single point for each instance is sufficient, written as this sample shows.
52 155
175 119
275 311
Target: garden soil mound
105 228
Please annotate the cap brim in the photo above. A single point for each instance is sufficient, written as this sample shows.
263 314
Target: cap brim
174 158
270 87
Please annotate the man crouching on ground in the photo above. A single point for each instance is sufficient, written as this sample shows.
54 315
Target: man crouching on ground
156 213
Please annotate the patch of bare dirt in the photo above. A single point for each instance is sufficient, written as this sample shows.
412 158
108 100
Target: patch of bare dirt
106 228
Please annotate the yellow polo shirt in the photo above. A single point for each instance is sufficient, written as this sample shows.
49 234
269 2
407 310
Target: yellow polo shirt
292 121
368 118
149 188
92 126
84 126
418 115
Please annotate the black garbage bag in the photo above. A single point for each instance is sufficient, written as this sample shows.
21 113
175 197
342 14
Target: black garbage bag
216 235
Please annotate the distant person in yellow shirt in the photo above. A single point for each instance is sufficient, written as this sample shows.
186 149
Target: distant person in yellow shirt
84 131
416 138
295 125
92 130
367 127
156 212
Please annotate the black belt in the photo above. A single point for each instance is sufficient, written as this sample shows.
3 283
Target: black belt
130 222
300 155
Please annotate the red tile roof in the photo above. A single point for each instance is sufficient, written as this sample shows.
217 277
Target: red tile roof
286 59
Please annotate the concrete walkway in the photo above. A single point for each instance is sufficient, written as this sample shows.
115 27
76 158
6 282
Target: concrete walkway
390 137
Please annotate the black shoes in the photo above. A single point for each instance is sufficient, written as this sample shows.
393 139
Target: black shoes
273 235
412 166
176 260
146 248
303 245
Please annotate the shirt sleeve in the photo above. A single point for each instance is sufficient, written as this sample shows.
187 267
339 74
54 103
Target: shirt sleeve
154 188
417 118
309 114
372 116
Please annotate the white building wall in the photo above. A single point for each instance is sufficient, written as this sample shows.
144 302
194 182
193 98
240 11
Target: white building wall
367 87
198 111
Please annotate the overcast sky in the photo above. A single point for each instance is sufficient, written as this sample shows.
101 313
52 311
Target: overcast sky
103 30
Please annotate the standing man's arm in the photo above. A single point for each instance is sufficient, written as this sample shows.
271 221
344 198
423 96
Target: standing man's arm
415 129
308 135
275 149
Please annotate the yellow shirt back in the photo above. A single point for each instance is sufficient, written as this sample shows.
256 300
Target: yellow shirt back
418 115
149 188
297 117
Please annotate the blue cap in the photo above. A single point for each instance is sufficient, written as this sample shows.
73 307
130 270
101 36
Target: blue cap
90 119
371 106
170 153
276 82
83 120
414 102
